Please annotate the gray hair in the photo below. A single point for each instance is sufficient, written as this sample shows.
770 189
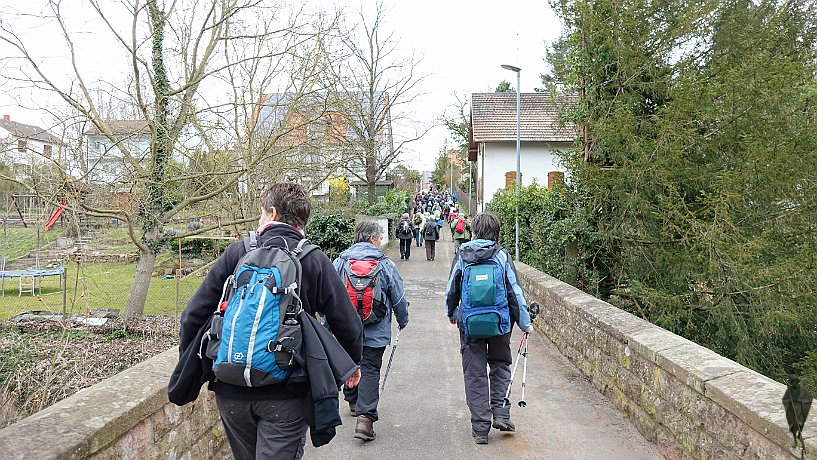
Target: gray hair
485 226
366 229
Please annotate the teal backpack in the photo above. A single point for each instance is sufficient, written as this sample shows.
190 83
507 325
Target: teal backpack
485 310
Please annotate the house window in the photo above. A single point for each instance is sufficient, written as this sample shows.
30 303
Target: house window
555 177
21 145
47 150
510 179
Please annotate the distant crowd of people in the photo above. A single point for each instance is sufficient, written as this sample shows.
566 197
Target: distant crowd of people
432 210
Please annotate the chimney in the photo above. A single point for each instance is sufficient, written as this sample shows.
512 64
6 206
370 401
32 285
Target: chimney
6 117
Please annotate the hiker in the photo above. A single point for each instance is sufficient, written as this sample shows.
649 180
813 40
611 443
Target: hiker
431 233
460 230
267 421
375 308
419 222
405 233
483 272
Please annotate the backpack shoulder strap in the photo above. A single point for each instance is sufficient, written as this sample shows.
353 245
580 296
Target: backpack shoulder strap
250 241
303 248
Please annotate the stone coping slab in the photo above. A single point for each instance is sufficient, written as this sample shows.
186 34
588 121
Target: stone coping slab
94 417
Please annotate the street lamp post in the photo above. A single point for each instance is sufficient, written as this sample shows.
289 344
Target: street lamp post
518 160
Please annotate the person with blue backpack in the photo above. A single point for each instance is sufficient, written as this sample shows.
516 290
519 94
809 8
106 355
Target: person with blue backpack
375 288
484 300
258 289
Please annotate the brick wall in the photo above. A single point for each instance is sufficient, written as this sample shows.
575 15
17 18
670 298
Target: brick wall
690 401
124 417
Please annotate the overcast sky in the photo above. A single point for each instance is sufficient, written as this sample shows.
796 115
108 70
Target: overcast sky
462 44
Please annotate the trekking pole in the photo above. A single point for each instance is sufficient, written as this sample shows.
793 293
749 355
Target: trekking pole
533 311
522 402
506 401
388 366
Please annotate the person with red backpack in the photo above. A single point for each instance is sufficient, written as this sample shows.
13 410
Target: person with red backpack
461 229
375 288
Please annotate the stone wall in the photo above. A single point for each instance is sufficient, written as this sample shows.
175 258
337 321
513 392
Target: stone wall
690 401
124 417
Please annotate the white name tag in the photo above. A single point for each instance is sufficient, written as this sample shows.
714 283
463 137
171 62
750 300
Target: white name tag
482 278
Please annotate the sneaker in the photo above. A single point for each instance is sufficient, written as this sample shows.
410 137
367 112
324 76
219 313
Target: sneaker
479 438
503 424
364 429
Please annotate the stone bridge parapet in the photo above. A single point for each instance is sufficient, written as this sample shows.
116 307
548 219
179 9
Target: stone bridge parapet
690 401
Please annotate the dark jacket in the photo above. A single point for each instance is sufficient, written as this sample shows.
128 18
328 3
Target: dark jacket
431 231
321 291
326 366
404 235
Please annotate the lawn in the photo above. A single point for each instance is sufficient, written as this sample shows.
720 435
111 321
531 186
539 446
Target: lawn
98 285
18 241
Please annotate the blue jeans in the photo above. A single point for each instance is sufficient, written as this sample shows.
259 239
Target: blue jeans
418 237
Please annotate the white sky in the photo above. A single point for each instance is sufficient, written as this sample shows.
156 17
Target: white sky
462 44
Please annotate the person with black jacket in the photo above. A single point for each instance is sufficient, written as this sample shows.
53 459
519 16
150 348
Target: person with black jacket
268 421
405 233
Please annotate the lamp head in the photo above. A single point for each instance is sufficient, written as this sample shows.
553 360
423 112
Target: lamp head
511 68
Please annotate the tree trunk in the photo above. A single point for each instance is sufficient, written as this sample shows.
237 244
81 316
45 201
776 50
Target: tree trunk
371 176
135 306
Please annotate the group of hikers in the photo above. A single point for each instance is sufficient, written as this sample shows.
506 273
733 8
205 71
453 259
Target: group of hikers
252 332
432 211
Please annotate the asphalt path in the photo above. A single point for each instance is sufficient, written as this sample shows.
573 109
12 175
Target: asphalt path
423 412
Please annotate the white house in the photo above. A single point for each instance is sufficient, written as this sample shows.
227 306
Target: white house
493 145
104 156
24 147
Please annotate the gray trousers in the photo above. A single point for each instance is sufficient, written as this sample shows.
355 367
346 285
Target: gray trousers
265 428
484 389
366 395
430 249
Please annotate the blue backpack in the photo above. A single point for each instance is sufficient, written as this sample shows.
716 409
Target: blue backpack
484 301
255 334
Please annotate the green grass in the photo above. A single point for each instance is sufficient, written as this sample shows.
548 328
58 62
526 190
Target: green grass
16 241
98 285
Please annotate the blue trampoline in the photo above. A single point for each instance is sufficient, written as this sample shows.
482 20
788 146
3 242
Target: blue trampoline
30 279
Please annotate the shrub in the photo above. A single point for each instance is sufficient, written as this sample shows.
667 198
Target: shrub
332 232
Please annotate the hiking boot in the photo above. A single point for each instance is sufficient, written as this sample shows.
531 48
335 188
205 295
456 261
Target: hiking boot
503 424
364 429
479 438
352 405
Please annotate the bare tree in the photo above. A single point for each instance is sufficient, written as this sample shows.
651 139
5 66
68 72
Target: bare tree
194 73
375 84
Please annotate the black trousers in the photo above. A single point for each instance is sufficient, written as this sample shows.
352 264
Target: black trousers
405 248
366 394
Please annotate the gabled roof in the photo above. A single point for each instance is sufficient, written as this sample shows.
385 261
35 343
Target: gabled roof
493 117
32 132
274 107
122 127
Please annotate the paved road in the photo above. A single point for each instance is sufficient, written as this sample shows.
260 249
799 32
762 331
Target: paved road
423 412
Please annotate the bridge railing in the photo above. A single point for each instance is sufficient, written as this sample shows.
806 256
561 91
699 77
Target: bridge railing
125 417
690 401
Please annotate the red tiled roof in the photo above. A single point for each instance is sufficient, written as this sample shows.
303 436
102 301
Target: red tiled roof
120 127
493 117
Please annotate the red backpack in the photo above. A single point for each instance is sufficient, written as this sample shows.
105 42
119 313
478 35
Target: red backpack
460 228
365 290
